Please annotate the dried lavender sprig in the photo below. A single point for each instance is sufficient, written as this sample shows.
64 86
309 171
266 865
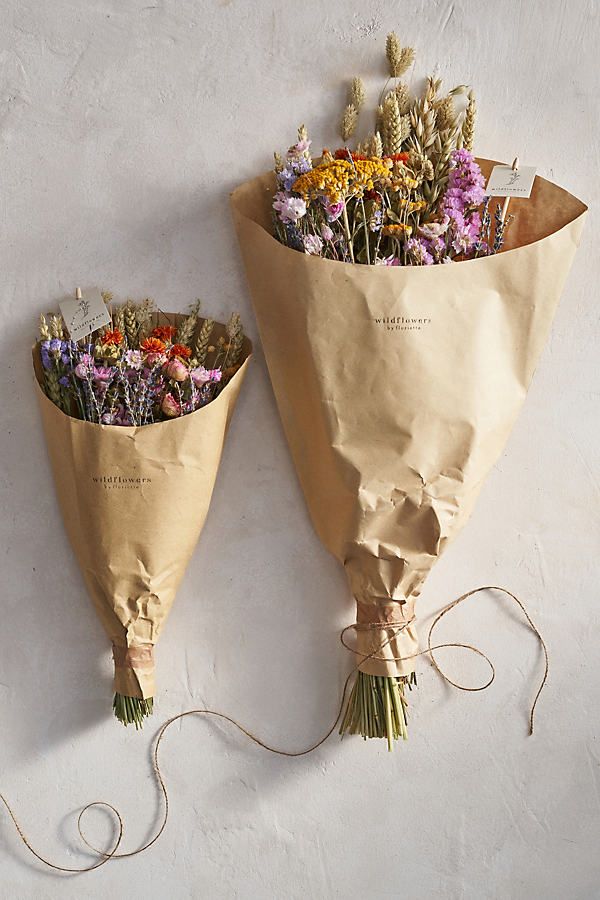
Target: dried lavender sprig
501 224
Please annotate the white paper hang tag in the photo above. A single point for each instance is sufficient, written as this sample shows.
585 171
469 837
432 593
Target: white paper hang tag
505 181
82 316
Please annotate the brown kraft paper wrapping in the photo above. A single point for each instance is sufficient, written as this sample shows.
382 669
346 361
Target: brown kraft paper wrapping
398 388
134 501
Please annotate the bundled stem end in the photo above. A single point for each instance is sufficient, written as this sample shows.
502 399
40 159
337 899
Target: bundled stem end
377 707
132 710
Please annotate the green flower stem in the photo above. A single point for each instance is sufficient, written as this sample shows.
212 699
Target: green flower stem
132 710
377 707
347 232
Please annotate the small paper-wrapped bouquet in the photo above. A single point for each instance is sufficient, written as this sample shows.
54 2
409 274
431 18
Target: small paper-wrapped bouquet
135 417
402 319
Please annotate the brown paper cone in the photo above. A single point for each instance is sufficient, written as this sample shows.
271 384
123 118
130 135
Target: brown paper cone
134 501
398 387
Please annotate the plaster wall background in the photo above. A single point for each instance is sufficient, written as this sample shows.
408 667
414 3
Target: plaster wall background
123 126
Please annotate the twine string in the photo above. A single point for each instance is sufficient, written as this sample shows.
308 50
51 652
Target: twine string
397 626
104 856
392 629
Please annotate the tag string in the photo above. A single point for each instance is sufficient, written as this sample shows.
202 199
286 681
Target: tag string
392 630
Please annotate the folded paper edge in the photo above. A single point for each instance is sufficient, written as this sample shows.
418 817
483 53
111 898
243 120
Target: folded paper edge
240 209
125 429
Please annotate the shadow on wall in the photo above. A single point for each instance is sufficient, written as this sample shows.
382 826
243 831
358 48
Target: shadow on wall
54 656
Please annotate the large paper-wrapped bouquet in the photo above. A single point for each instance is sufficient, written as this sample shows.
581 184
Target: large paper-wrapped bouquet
402 317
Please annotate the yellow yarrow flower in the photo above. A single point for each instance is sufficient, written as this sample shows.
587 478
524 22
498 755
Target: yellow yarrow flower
411 205
341 178
398 231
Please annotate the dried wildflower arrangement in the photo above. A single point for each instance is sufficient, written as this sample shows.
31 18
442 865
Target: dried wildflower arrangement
142 367
135 416
409 193
398 380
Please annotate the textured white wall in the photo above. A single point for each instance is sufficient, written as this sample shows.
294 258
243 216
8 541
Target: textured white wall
123 125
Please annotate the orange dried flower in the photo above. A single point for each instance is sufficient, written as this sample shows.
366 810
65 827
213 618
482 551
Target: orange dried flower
180 350
164 332
113 337
343 153
153 345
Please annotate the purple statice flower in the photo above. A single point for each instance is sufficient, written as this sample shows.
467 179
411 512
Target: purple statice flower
288 175
387 261
297 162
313 244
289 209
285 179
465 192
122 417
51 351
64 380
436 246
461 219
68 348
376 220
418 252
326 232
462 240
465 175
46 359
118 416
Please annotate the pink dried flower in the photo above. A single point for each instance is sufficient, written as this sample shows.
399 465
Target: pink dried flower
84 366
333 210
312 244
299 148
170 406
387 261
289 209
201 376
134 359
103 374
155 359
177 370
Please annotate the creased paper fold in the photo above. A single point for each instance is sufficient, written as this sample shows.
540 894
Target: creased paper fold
398 386
134 501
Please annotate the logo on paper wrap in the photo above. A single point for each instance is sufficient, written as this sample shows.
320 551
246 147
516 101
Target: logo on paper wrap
402 323
121 482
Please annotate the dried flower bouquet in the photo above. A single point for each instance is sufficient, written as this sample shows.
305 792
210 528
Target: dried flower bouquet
411 193
398 380
135 417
